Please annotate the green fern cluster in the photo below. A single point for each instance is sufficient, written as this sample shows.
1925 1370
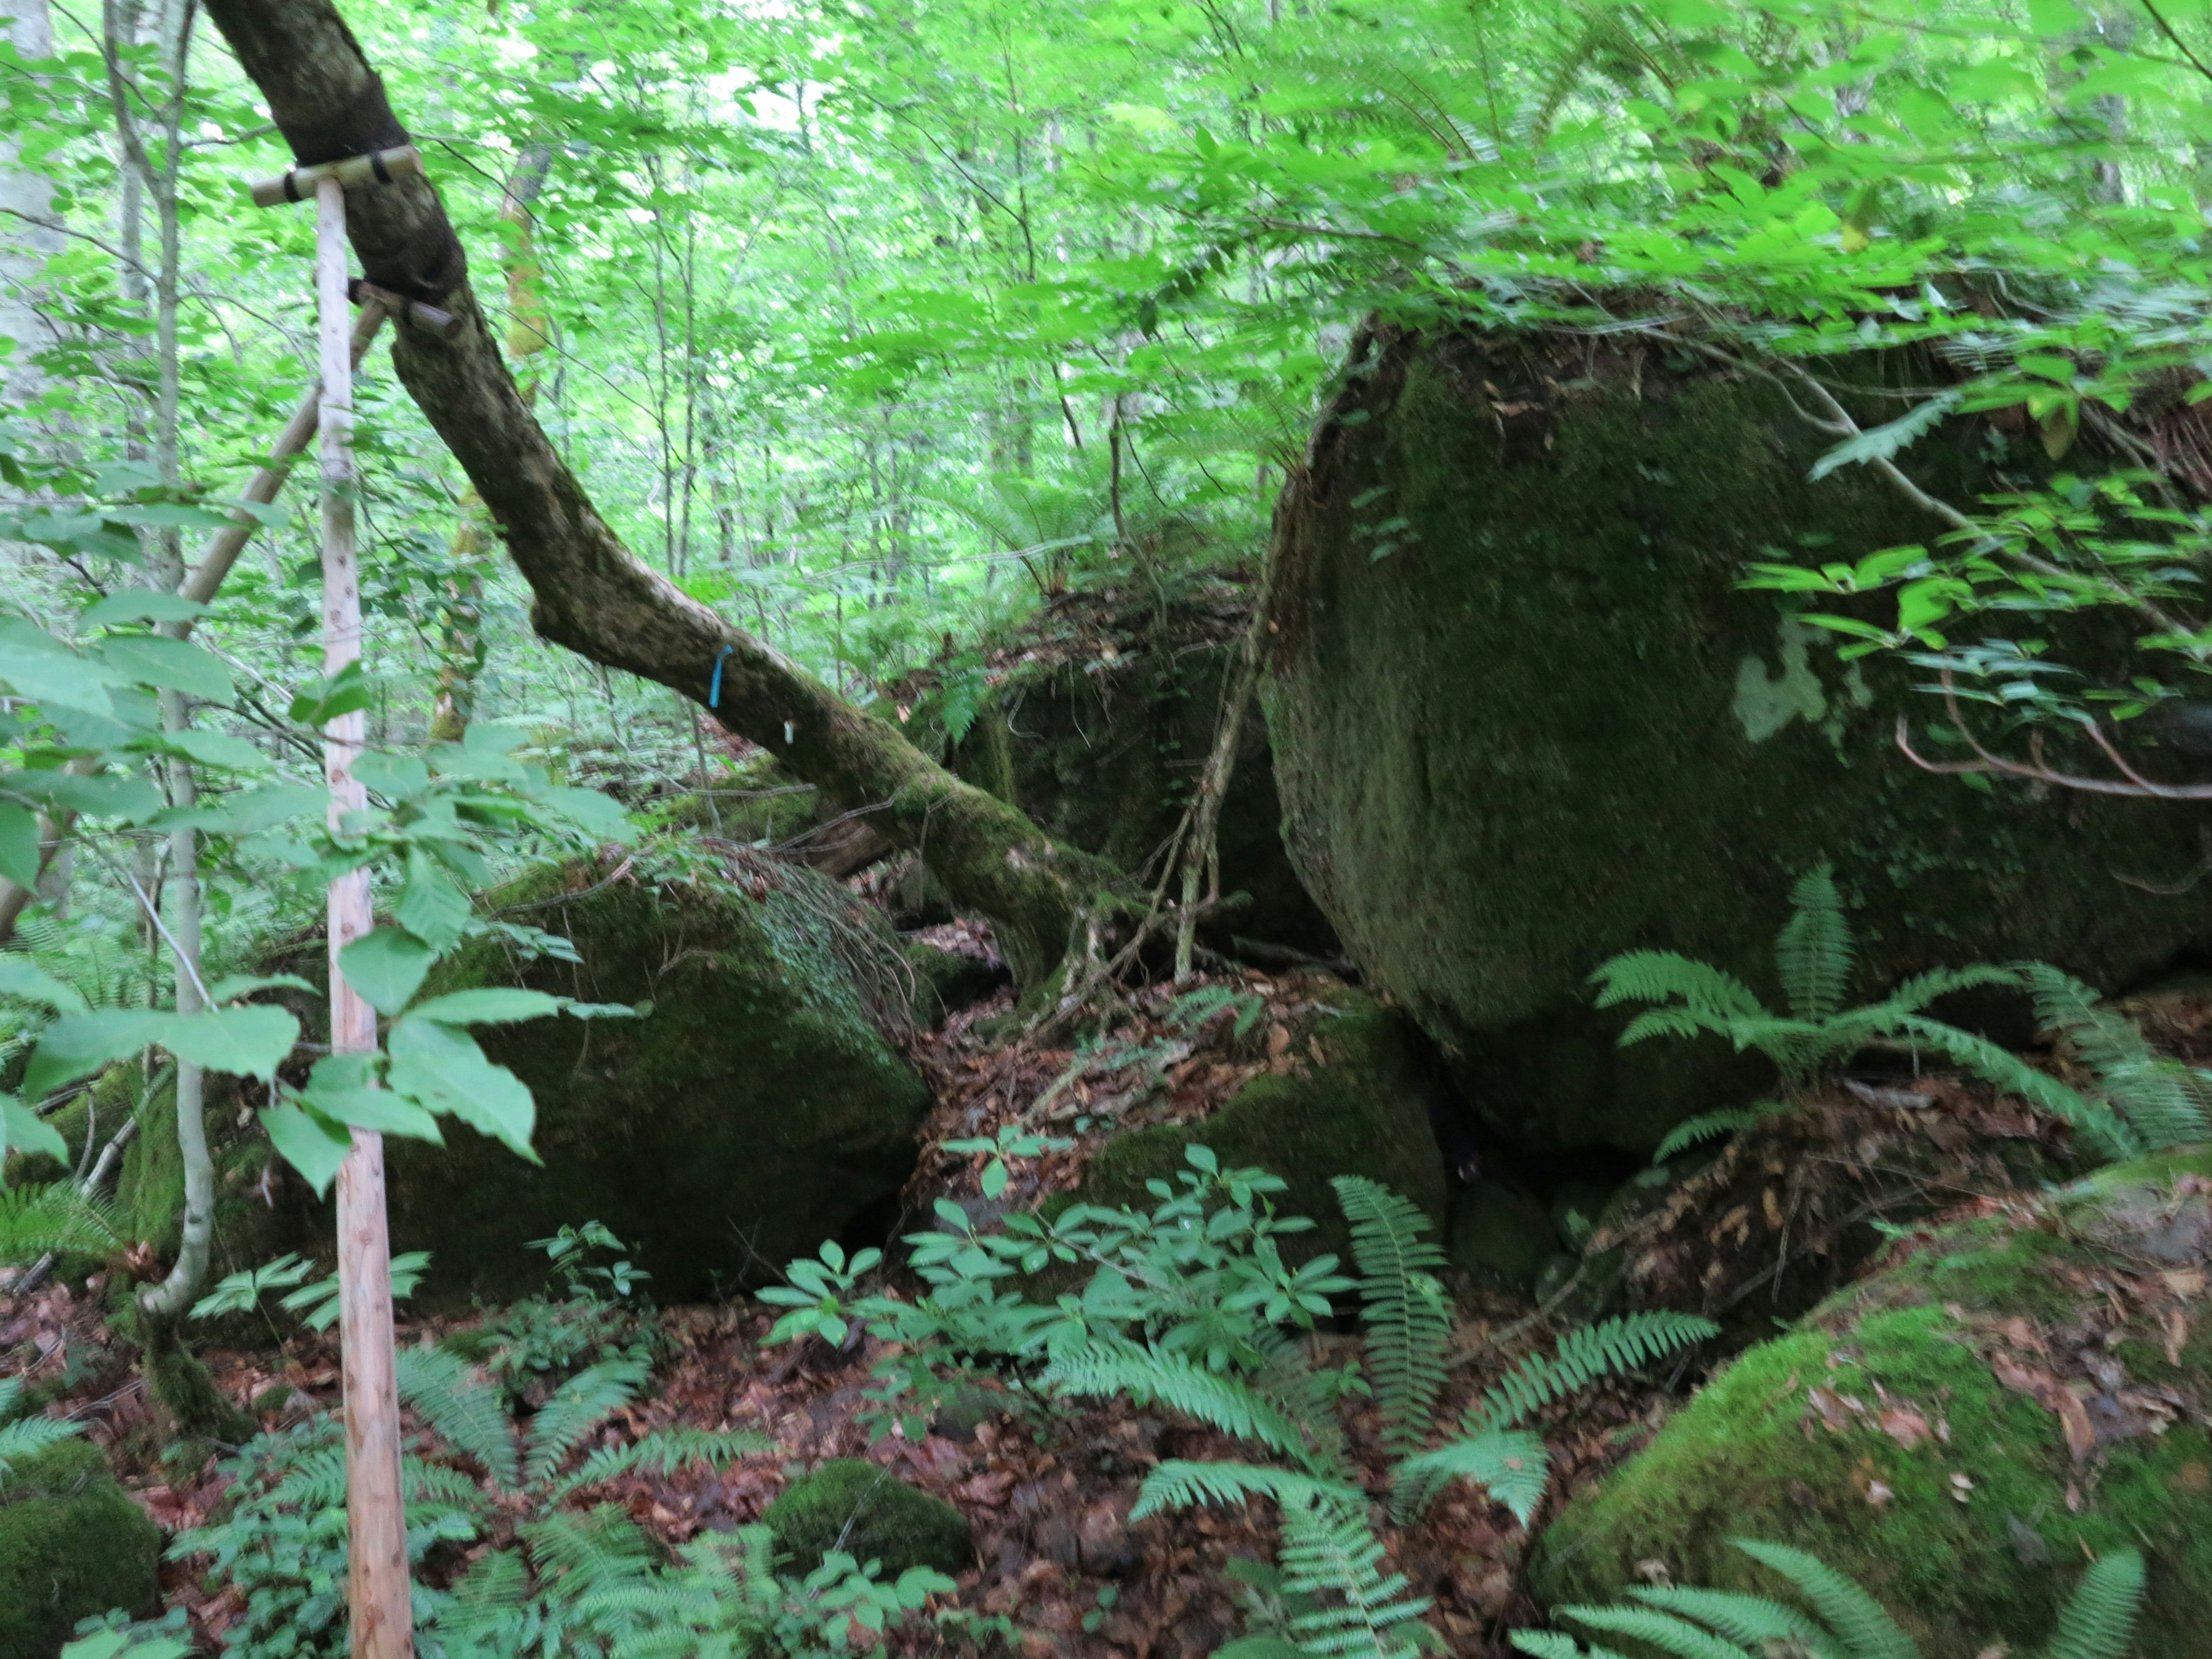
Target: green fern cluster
2142 1103
1845 1622
1331 1557
27 1437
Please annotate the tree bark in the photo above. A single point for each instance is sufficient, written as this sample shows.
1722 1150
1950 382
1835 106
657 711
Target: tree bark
591 594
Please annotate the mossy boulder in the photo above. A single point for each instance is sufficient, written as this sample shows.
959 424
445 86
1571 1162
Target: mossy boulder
1358 1098
1524 718
1500 1236
756 1108
72 1546
870 1514
1104 751
2024 1390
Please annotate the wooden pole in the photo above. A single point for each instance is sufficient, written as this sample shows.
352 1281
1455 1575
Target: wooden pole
376 1515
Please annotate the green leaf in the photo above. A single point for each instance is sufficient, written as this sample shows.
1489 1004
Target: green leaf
131 605
123 795
77 1045
344 1088
386 967
349 689
1883 442
55 677
492 1004
248 1041
310 1145
209 749
21 978
248 812
22 1130
431 907
19 844
231 987
442 1070
598 816
151 659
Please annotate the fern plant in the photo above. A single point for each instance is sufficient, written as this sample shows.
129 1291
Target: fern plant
25 1437
1330 1552
1844 1623
2141 1103
286 1540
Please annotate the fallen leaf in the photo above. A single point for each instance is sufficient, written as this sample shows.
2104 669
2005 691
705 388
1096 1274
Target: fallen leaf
1830 1408
1904 1425
2176 1335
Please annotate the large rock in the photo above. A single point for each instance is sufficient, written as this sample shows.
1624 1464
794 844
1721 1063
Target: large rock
1102 737
1358 1095
1523 719
72 1546
755 1109
1958 1433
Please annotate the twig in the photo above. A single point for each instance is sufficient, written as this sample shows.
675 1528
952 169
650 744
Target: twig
2135 786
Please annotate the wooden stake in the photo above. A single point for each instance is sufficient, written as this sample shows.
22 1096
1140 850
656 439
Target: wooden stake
377 1519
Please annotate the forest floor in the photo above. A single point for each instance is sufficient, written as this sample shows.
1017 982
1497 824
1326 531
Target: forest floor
1048 1487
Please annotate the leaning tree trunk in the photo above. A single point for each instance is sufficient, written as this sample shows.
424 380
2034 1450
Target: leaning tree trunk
591 594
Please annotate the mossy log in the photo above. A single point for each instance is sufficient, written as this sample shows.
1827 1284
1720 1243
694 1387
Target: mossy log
1958 1433
1525 718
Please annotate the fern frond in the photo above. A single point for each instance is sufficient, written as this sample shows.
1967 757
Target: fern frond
1329 1550
1675 1021
1181 1483
1668 975
1914 995
1585 1355
1408 1315
1813 953
1676 1638
663 1452
55 1217
577 1408
1551 1644
2164 1101
2001 1066
2099 1619
31 1435
1103 1371
494 1590
1860 1622
1752 1620
577 1555
1511 1464
316 1480
1711 1126
462 1408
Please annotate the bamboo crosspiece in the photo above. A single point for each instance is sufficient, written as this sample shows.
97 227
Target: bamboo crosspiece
382 1623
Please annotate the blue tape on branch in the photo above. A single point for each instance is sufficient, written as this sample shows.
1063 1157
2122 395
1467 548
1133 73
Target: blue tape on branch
714 687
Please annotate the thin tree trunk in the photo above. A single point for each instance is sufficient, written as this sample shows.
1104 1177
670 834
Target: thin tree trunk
26 243
383 1623
591 594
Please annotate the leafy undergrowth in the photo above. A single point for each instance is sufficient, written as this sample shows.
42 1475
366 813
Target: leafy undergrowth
1049 1493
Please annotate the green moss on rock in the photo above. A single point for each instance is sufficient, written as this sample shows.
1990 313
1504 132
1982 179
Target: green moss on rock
755 1109
869 1514
1105 755
72 1546
1359 1103
1914 1469
1500 1236
1546 726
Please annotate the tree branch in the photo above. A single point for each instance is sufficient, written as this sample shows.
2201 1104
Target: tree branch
591 594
